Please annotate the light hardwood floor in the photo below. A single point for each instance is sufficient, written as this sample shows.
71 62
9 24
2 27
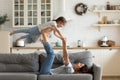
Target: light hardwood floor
111 78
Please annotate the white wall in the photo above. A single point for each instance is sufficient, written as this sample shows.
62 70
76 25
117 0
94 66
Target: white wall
80 27
6 8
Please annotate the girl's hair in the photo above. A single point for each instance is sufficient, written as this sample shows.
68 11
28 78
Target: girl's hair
62 19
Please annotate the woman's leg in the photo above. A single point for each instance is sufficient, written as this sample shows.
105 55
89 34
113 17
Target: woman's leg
47 64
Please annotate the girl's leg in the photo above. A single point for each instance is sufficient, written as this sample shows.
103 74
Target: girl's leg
47 64
30 30
27 38
21 31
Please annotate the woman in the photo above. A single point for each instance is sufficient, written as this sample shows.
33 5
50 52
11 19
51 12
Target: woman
68 68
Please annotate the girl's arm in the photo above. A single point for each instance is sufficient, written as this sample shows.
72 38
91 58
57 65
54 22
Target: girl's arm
57 33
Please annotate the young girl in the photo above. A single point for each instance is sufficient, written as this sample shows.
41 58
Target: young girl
45 31
32 34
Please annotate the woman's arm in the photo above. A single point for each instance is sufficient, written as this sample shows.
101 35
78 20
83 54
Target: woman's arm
65 53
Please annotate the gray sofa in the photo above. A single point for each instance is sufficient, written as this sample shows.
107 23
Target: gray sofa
26 67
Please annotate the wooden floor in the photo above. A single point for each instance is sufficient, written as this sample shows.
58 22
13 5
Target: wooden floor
111 78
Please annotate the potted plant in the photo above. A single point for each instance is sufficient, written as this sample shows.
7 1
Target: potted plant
3 19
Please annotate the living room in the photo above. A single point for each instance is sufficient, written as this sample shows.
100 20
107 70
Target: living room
92 25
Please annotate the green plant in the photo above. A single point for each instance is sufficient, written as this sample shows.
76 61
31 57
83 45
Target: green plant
3 19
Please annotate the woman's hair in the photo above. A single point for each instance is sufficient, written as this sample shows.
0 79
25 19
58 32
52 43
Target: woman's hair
62 19
84 69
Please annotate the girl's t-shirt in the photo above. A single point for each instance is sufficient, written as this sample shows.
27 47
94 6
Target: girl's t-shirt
47 25
63 69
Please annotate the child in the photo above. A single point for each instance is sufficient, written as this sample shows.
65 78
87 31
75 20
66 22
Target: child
44 30
32 34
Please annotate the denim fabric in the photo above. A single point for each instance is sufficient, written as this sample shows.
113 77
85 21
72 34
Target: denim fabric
47 64
32 34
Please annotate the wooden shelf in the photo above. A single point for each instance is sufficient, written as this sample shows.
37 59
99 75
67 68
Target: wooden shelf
105 25
58 48
106 11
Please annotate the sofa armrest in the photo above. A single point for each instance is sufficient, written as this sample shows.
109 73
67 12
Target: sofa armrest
97 72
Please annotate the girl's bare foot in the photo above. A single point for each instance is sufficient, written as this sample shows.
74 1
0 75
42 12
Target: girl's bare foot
11 33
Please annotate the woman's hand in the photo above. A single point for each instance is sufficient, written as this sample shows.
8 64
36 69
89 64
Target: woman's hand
64 39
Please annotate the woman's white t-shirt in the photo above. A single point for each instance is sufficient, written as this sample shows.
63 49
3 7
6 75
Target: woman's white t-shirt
63 69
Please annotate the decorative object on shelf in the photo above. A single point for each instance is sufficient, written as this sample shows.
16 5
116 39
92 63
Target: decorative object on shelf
111 43
3 19
104 42
20 43
79 43
108 7
81 8
103 21
106 21
95 7
58 44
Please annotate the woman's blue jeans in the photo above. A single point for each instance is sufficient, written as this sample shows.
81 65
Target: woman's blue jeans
47 64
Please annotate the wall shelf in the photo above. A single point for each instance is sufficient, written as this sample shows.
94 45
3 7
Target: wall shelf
105 25
59 48
106 11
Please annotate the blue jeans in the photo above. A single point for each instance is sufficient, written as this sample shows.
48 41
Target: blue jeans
32 34
47 64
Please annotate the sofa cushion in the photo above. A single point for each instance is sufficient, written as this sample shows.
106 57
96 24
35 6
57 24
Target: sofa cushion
66 77
19 62
58 61
58 58
18 76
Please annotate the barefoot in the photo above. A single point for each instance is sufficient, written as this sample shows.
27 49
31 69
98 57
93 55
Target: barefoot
11 33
